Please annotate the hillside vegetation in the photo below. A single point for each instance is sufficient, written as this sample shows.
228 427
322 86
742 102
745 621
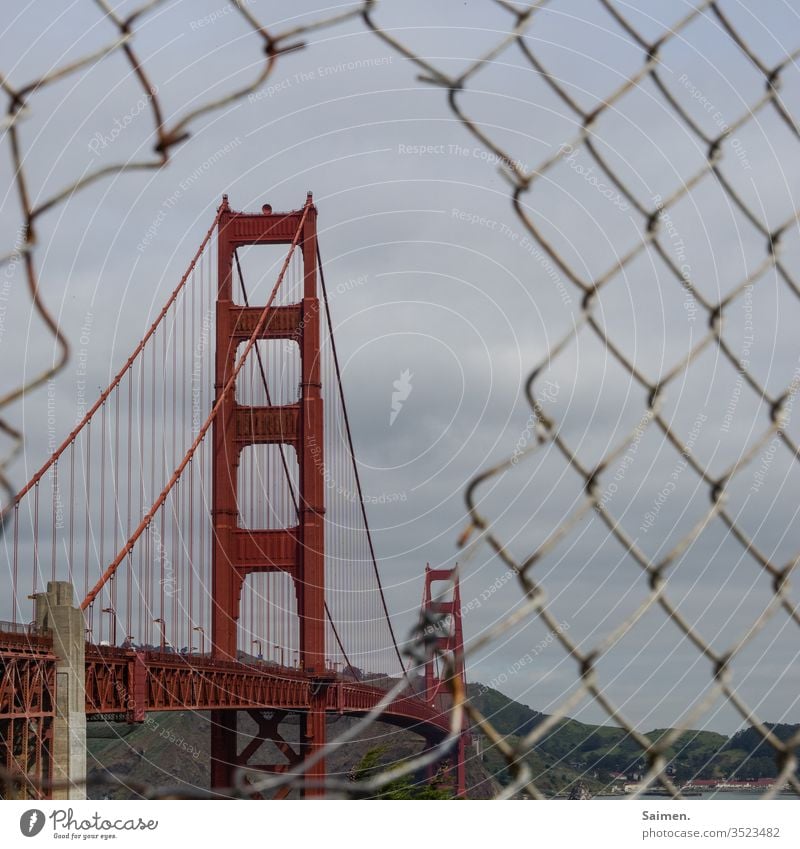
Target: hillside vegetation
575 751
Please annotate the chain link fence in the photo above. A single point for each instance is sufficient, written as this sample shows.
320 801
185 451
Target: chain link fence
168 134
607 148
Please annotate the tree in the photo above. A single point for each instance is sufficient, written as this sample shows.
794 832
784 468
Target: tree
400 788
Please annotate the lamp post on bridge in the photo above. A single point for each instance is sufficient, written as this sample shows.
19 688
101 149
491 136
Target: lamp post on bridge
160 622
202 632
113 627
280 649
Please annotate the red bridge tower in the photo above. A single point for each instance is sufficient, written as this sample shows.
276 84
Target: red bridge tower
449 642
297 551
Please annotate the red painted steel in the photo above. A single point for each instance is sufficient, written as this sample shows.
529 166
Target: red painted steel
27 711
175 682
238 426
449 644
124 685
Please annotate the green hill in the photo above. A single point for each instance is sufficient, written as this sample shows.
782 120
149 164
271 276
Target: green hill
574 751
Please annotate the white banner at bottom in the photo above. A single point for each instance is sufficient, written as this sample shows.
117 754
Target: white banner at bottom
400 825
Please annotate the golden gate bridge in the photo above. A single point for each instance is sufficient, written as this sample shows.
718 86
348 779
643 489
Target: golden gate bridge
211 496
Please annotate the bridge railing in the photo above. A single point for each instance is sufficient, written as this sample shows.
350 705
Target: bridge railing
18 627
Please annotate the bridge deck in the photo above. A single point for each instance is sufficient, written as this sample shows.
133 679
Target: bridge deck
129 683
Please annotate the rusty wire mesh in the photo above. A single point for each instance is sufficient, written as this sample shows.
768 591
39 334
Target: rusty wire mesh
775 404
514 25
20 99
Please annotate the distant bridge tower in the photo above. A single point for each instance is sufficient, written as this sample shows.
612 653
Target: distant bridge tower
450 643
298 551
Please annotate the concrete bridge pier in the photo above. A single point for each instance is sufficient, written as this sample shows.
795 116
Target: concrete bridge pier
55 611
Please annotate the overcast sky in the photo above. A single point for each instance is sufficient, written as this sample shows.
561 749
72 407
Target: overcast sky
430 273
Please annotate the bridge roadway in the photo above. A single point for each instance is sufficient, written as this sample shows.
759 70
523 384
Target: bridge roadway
127 684
135 682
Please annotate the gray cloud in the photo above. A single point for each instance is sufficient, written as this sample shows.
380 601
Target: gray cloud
453 290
